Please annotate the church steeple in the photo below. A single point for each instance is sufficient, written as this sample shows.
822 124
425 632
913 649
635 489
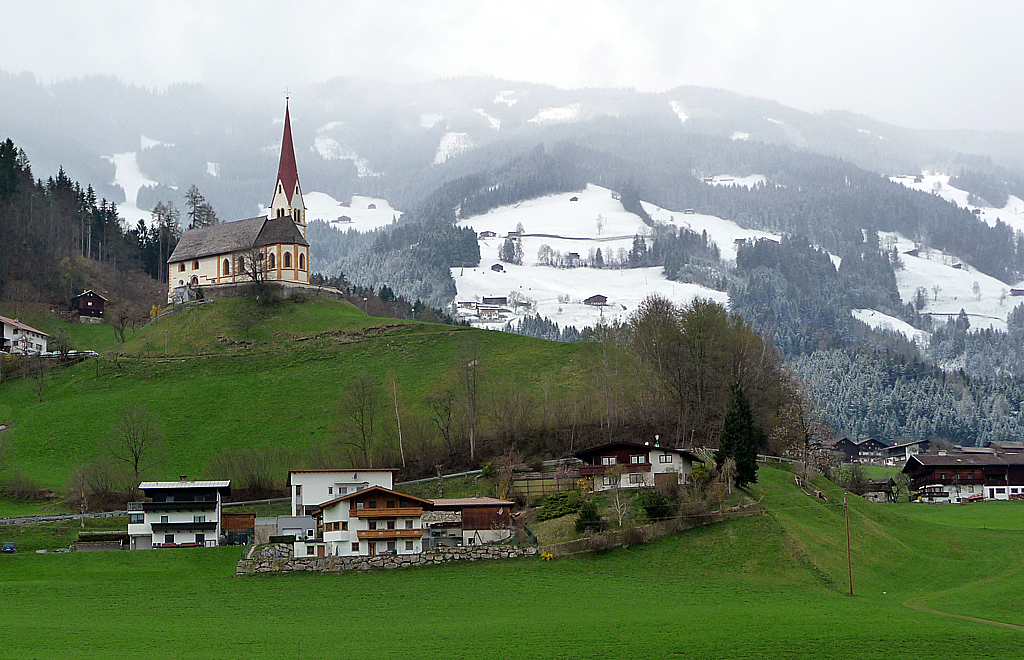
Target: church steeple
287 199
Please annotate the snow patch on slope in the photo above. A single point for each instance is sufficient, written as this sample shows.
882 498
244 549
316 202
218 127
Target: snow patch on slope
680 111
148 143
938 184
358 214
725 233
729 180
213 169
739 135
880 321
493 121
505 98
554 115
329 149
130 178
429 120
452 144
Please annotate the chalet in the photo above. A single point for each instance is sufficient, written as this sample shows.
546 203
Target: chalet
958 266
371 206
344 219
177 514
467 521
976 211
1006 446
369 522
897 454
498 268
954 478
311 488
513 234
89 304
488 312
574 199
487 234
689 212
912 253
17 337
860 451
1017 292
596 300
634 465
495 300
574 258
467 304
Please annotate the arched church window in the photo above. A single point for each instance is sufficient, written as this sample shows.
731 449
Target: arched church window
302 261
273 262
195 265
227 267
287 259
181 267
298 215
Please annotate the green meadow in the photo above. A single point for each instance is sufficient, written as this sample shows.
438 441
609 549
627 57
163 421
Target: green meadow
770 586
231 374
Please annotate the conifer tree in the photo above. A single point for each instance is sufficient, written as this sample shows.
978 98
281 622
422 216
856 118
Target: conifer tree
740 438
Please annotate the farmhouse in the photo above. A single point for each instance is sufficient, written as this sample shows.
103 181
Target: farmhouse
311 488
17 337
89 305
860 451
488 312
370 522
467 521
177 514
487 234
271 248
632 465
495 300
949 477
1017 292
596 301
896 454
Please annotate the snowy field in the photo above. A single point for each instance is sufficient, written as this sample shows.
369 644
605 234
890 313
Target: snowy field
130 178
955 286
730 180
321 206
880 321
724 233
1012 214
624 288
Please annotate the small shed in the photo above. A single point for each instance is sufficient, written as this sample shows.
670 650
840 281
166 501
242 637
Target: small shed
238 527
596 300
1017 292
371 206
574 199
487 234
89 304
498 268
344 218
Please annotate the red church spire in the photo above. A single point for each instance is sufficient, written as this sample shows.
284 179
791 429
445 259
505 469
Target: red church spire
287 171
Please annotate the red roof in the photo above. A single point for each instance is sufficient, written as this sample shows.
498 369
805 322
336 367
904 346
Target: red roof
287 171
18 324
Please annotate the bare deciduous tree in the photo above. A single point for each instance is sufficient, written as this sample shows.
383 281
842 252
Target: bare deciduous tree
358 414
135 440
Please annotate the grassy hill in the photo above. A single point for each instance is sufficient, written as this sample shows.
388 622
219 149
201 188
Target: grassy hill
231 374
771 586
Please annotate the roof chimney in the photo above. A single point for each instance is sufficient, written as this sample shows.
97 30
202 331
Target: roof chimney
942 452
183 478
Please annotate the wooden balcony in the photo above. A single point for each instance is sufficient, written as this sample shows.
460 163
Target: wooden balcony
393 512
626 468
389 533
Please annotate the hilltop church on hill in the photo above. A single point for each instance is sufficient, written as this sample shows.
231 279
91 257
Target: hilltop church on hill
271 248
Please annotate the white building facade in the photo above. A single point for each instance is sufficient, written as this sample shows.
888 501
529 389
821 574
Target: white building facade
635 465
177 514
311 488
17 337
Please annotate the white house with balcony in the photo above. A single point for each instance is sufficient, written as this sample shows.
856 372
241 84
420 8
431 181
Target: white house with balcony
177 514
635 465
369 522
311 488
17 337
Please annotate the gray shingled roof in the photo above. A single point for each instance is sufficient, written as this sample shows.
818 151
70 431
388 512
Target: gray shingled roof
280 230
218 239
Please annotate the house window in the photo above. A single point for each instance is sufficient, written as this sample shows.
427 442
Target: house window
200 539
408 545
163 520
634 478
390 504
970 489
609 481
1000 491
181 269
298 215
287 259
373 504
391 524
344 490
665 458
168 539
309 551
404 504
355 547
637 459
227 267
195 265
344 525
302 262
330 490
199 519
392 546
373 524
136 518
607 460
272 261
359 505
408 524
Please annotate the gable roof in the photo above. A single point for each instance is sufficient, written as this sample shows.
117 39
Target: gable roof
218 239
632 445
287 171
87 292
223 486
360 493
279 230
14 323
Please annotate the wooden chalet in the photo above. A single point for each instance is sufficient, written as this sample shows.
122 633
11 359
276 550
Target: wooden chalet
596 300
954 477
89 304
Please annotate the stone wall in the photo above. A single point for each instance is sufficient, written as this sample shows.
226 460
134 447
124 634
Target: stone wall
269 559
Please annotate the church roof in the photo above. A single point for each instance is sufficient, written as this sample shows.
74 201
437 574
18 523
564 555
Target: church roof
218 239
280 230
287 170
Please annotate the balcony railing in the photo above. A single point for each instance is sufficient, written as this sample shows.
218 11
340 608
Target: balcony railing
389 533
393 512
591 470
201 505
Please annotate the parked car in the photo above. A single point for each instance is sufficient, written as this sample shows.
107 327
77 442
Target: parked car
9 548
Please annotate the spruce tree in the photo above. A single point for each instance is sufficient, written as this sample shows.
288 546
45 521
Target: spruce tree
740 438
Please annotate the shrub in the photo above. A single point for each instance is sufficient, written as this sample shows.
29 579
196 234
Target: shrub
656 505
633 536
557 505
589 518
290 538
535 464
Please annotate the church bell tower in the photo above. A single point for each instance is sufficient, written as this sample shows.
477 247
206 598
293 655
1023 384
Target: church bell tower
287 199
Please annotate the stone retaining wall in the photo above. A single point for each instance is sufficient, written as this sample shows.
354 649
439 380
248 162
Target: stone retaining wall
267 559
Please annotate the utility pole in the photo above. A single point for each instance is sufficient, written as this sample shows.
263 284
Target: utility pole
849 554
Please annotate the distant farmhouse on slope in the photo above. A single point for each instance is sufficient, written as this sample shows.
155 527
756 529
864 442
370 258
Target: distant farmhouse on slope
268 248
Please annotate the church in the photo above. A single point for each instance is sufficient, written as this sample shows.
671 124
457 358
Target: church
270 248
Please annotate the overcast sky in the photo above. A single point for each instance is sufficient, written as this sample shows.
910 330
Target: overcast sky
923 64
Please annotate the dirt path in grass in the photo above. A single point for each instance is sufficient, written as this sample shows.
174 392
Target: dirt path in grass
918 603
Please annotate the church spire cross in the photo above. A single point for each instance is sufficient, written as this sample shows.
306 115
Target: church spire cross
287 170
